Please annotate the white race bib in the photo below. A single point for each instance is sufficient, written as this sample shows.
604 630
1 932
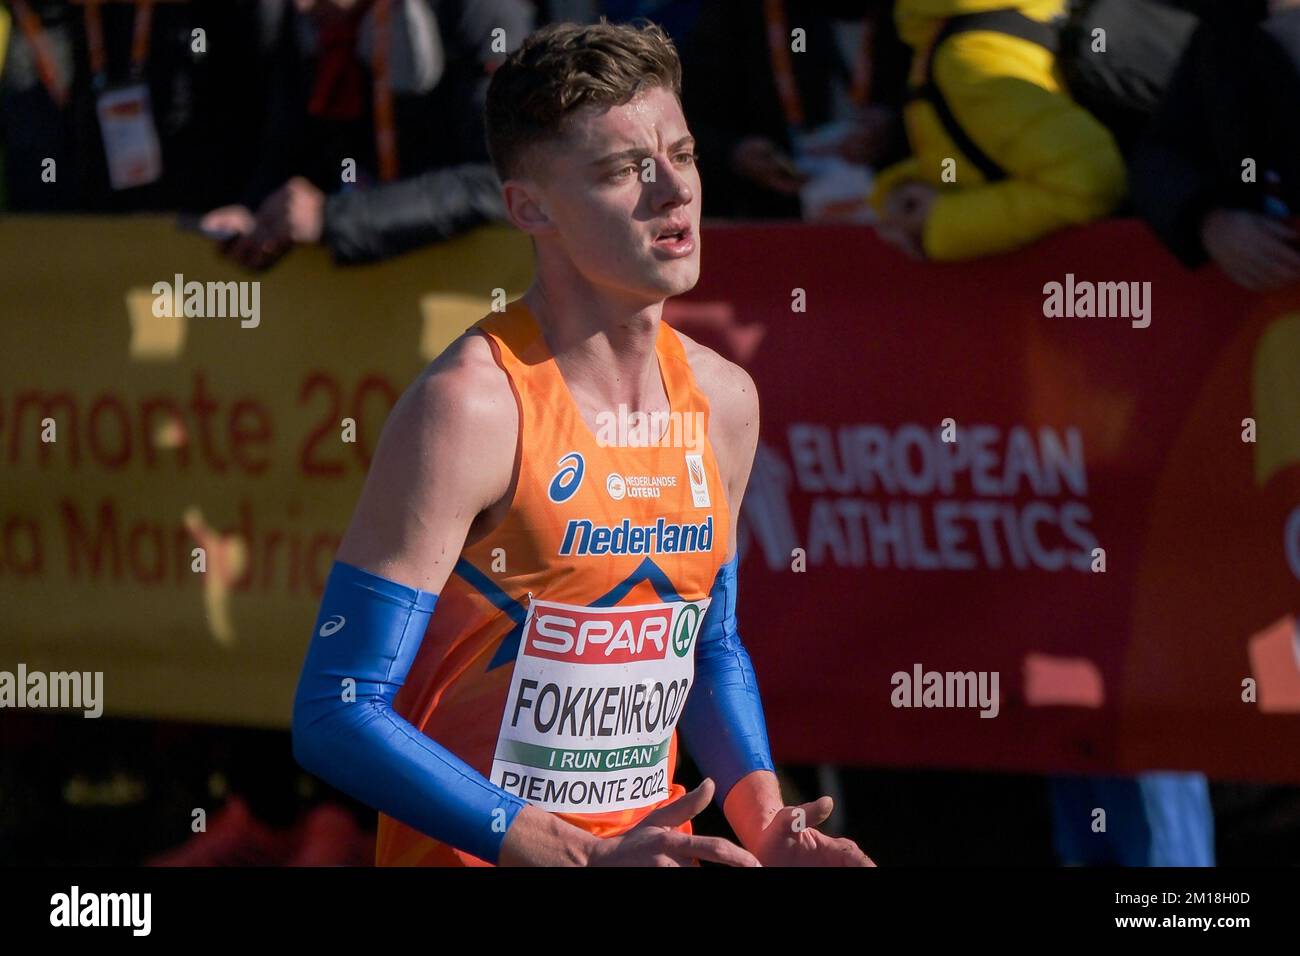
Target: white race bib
594 699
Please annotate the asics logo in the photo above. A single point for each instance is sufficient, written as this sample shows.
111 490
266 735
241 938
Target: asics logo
332 626
567 479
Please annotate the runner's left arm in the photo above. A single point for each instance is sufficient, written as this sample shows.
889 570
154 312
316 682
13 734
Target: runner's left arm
723 727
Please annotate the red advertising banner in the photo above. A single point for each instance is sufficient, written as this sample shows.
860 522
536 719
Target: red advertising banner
950 455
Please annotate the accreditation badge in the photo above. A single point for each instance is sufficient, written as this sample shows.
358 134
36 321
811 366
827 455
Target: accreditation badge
130 137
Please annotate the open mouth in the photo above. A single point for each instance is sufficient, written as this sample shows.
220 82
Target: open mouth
678 242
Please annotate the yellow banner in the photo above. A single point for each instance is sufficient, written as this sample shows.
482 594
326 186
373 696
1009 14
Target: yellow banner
182 444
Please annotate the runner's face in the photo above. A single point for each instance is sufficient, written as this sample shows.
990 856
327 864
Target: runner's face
622 193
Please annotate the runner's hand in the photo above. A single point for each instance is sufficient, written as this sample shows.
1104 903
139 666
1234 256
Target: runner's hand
791 840
655 842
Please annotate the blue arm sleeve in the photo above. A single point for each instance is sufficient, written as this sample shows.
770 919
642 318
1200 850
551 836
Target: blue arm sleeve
369 630
723 726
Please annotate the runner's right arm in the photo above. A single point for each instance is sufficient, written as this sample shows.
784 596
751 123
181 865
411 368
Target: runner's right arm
431 475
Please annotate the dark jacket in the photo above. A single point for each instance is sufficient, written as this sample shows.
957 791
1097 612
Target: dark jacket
384 221
1232 98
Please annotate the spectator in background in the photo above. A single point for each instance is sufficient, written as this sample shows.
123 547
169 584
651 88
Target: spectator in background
345 102
759 148
1031 160
49 92
1217 176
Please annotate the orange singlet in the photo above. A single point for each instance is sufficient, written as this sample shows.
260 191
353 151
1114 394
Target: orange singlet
562 648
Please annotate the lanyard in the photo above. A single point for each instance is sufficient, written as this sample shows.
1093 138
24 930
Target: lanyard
860 91
385 127
142 26
46 68
778 42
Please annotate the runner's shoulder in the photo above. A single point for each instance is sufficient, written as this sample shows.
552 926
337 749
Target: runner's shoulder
463 397
732 395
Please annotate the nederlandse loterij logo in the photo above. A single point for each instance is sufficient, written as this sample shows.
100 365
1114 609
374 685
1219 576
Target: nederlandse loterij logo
566 481
638 486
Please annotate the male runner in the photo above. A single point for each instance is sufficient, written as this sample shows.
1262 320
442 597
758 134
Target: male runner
585 590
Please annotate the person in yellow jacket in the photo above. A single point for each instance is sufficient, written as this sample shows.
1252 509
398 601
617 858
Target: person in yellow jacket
1035 160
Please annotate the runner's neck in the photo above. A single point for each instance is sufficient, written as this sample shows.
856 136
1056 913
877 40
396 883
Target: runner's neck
607 362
